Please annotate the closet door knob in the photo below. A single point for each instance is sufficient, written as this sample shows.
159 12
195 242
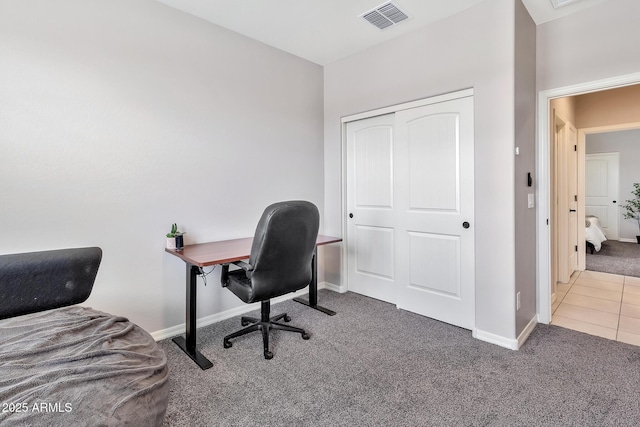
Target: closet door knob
350 215
465 224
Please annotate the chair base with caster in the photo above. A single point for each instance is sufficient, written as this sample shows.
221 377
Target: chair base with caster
264 324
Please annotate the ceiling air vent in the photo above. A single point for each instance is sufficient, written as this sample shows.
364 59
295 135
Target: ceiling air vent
559 3
385 15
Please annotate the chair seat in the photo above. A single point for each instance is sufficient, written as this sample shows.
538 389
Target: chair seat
240 285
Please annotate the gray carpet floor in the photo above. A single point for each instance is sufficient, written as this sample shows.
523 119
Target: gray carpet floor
617 258
375 365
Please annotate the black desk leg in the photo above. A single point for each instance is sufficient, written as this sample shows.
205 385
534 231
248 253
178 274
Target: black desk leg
188 344
313 288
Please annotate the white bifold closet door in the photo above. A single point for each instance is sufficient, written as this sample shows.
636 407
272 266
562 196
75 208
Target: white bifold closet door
410 201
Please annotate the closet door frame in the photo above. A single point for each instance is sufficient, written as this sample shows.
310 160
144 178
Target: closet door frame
369 114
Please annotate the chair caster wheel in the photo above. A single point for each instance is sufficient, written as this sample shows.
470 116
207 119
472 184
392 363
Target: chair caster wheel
227 344
287 319
268 355
306 336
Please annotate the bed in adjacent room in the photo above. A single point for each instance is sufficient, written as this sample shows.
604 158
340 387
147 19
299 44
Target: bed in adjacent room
593 233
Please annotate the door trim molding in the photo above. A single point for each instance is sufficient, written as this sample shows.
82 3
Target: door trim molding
543 237
407 105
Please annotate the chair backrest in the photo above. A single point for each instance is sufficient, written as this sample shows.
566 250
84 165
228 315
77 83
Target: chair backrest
283 247
37 281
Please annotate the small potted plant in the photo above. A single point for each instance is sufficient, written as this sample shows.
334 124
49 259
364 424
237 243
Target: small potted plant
632 208
174 238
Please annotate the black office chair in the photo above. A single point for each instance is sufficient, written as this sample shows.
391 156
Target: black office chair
280 262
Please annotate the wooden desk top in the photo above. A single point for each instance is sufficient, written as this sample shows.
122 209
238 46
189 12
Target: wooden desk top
204 254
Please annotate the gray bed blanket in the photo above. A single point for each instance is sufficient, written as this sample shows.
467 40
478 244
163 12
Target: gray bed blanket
76 366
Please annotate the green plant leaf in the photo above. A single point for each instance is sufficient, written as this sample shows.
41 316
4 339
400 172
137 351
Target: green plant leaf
632 206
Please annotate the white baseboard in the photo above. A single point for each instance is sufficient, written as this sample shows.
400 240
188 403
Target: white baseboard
509 343
237 311
332 287
527 331
628 240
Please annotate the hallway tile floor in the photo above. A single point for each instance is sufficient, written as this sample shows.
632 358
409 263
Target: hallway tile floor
602 304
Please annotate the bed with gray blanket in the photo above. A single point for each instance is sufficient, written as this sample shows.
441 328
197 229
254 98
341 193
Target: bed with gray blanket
72 365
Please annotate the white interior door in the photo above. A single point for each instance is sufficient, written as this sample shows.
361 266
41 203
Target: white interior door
370 203
566 203
435 212
602 175
572 195
411 193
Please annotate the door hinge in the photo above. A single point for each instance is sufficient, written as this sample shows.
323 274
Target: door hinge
576 248
575 148
575 198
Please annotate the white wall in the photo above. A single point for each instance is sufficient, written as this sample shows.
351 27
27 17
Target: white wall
525 120
119 117
596 43
474 48
581 50
627 143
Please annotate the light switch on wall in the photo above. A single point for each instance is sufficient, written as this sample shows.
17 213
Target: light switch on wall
530 201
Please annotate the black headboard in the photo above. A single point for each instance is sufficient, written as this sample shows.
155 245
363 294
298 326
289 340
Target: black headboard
37 281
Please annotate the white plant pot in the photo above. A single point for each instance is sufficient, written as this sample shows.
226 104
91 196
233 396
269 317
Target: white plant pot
171 242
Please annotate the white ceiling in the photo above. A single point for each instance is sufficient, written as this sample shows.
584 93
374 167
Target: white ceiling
324 31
